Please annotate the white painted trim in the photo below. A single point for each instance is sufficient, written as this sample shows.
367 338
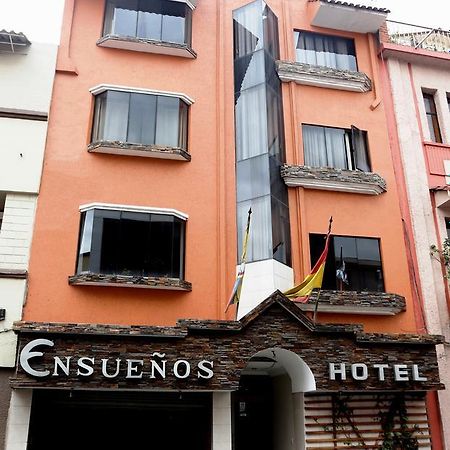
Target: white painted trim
354 188
191 5
113 87
132 208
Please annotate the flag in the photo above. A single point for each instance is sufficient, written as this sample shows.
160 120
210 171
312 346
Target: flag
341 274
314 279
237 287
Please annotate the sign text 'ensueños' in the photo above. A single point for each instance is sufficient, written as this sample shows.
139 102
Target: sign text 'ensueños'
84 366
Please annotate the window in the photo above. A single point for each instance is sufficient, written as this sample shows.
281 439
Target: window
432 117
335 147
322 50
358 256
137 118
447 226
2 206
130 242
157 20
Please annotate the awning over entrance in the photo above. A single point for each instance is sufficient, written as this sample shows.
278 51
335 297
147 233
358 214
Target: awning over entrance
210 355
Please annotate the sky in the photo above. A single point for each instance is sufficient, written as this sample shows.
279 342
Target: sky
40 20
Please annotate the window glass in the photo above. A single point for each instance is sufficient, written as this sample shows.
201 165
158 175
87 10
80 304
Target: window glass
322 50
126 243
125 17
173 22
253 178
167 121
335 147
149 24
358 257
161 20
140 119
432 118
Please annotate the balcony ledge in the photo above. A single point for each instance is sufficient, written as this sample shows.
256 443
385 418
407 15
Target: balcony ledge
352 302
331 179
97 279
146 45
148 151
324 77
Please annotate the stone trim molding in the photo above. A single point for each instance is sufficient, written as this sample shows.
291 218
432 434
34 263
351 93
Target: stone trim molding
331 179
132 208
14 273
325 77
229 346
148 151
146 45
352 302
136 90
97 279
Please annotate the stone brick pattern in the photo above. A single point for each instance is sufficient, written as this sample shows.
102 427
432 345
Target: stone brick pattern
173 45
130 281
293 71
363 299
152 150
331 174
277 322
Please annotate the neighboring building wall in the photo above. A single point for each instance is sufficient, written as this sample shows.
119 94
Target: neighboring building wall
407 83
27 82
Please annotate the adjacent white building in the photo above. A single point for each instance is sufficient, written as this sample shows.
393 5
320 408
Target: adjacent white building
26 80
418 65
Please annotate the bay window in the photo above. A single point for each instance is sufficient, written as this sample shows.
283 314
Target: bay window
335 147
153 20
131 242
140 118
324 50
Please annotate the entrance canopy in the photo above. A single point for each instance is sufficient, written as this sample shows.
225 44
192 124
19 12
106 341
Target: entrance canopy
211 355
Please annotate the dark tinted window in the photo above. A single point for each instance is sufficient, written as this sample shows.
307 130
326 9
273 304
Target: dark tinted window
129 243
432 118
160 20
360 257
322 50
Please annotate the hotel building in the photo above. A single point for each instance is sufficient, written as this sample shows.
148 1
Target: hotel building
170 119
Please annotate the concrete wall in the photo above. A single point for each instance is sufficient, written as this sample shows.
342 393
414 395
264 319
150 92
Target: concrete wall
29 78
283 414
18 419
413 130
5 395
22 144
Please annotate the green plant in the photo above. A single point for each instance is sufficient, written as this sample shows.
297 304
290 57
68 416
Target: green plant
442 255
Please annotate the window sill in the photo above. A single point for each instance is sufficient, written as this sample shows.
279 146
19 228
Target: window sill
148 151
324 77
352 302
146 45
96 279
330 179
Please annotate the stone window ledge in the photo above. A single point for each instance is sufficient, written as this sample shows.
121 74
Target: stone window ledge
148 151
146 45
352 302
331 179
96 279
325 77
14 273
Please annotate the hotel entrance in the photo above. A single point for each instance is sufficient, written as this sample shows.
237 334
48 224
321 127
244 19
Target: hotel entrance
62 419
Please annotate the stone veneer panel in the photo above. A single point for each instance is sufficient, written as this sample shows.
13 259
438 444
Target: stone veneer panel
152 151
329 178
96 279
276 322
146 45
321 76
379 303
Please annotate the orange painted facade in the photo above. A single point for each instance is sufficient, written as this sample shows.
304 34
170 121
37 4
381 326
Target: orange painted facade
205 187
